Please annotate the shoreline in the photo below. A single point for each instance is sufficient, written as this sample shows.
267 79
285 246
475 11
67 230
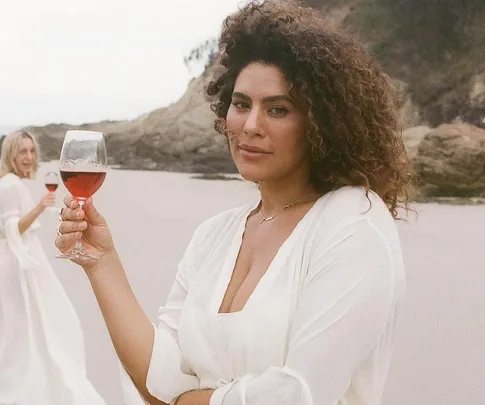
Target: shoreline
220 176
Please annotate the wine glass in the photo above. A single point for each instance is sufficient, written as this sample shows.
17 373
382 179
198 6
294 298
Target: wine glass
83 165
51 181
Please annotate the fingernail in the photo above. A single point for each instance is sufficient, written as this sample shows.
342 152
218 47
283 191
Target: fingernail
79 215
83 225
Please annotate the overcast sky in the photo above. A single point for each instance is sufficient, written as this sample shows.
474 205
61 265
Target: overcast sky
79 61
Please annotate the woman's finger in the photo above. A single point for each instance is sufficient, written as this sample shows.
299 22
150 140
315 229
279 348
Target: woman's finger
92 215
67 227
69 214
64 242
68 200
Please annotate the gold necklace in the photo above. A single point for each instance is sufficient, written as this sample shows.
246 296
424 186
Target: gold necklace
284 207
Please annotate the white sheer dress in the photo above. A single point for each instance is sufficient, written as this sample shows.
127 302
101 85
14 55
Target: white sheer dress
41 342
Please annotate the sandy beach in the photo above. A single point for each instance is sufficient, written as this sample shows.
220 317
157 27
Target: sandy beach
439 356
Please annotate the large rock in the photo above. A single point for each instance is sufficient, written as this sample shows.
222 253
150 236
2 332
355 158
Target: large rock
450 161
182 137
413 138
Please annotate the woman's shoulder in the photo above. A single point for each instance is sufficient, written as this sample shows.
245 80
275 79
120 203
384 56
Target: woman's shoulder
9 180
356 200
354 218
349 205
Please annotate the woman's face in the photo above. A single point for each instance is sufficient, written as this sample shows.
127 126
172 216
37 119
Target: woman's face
25 157
267 127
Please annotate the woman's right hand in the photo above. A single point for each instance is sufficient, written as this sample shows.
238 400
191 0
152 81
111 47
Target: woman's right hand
47 200
87 225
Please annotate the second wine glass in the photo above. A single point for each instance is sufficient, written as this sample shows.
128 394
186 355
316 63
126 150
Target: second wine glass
83 165
51 181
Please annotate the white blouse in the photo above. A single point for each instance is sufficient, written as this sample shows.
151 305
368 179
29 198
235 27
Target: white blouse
319 327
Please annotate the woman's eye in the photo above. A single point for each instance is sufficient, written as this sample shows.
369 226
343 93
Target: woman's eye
278 111
240 105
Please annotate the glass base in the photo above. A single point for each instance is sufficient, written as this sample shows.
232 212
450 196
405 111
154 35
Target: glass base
76 255
54 209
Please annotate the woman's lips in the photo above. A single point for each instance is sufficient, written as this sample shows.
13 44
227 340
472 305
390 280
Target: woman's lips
252 151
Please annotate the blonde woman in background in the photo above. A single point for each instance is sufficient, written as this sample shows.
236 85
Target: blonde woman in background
41 343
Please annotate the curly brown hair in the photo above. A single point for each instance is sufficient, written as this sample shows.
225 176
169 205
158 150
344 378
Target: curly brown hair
353 124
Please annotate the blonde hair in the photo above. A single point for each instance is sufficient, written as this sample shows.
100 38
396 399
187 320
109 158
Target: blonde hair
10 148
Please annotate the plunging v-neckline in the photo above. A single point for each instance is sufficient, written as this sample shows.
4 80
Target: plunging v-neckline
233 253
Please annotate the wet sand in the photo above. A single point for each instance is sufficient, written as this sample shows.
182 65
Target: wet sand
439 356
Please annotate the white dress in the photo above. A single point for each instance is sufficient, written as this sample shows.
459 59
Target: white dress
41 343
317 330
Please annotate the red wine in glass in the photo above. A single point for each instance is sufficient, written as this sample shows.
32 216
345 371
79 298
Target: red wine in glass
51 187
83 166
51 181
82 184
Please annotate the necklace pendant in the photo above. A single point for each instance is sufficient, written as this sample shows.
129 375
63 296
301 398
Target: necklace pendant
264 219
284 207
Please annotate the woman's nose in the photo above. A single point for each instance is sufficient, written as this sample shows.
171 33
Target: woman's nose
254 124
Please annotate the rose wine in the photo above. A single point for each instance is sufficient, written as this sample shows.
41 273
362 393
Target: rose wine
82 185
51 187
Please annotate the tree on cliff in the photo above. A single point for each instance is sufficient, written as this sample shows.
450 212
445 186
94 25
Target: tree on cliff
205 53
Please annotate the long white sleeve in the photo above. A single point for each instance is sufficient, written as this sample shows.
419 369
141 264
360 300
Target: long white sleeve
10 214
345 304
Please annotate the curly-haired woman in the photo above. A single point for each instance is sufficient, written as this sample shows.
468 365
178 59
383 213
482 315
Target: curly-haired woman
292 299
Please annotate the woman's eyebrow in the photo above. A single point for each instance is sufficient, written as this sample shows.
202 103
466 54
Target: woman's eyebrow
269 99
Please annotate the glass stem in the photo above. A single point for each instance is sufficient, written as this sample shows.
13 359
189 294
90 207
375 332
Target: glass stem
78 246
